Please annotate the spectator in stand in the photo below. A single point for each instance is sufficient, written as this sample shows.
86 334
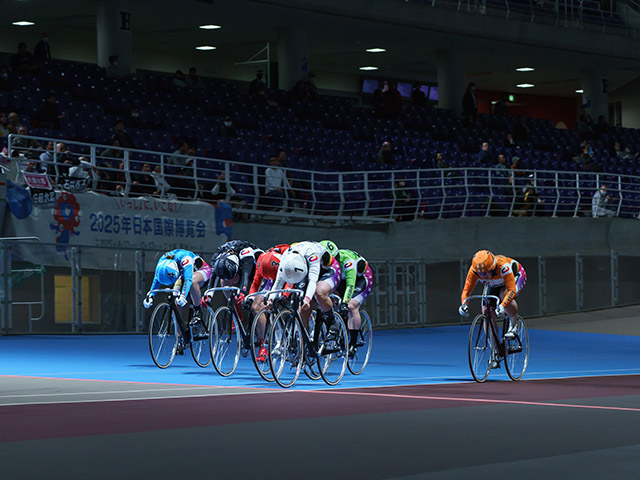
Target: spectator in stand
134 120
392 101
34 167
439 161
275 183
48 116
162 187
484 157
28 146
520 130
617 151
80 168
222 190
178 81
418 98
500 108
226 130
501 166
602 127
599 203
143 183
585 126
376 99
120 179
183 185
113 151
470 104
510 141
627 154
4 126
42 50
14 122
121 135
180 156
62 159
402 206
23 61
515 169
112 70
6 81
257 86
46 157
103 179
385 155
527 205
193 80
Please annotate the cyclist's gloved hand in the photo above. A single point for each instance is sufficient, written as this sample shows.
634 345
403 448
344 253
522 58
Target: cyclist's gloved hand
204 301
464 310
148 301
500 310
240 299
181 300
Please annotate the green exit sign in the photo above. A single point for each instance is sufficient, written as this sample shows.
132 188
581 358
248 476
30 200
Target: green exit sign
512 98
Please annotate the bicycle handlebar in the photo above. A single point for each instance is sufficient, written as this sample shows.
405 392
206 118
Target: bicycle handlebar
483 297
172 291
284 290
337 299
251 295
211 291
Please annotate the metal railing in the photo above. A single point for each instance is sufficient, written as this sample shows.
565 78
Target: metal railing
358 196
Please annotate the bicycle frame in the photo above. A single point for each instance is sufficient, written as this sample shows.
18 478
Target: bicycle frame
172 294
499 340
231 305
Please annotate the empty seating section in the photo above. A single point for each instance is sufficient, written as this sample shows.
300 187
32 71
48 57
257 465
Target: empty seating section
331 135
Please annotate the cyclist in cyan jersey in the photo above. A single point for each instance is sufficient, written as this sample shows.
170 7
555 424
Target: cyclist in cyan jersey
266 272
355 287
310 261
188 272
503 277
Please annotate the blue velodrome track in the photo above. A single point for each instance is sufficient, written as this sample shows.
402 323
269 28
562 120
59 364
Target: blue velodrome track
400 357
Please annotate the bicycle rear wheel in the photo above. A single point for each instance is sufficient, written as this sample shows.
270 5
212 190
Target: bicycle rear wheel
163 341
200 339
360 358
517 351
333 354
480 348
224 342
262 367
286 349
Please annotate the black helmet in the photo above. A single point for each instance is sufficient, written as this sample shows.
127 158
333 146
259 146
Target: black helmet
226 266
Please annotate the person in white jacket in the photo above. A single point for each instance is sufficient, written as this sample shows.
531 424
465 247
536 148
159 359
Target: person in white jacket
599 203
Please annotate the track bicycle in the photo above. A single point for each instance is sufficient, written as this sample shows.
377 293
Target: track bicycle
166 333
290 346
488 349
359 358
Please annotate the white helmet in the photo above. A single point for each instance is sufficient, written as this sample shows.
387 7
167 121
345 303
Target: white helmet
293 267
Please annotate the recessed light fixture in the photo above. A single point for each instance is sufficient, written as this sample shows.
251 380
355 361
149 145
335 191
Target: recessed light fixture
210 27
525 85
525 69
369 68
579 91
376 50
205 47
23 23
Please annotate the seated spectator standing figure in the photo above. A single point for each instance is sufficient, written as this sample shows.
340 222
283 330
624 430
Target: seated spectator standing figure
28 146
385 155
115 153
6 81
121 135
178 80
42 50
143 183
585 126
14 122
193 80
392 101
418 98
23 61
180 157
4 124
104 177
470 104
510 141
275 183
48 116
112 70
62 159
46 157
226 130
501 166
222 190
484 157
162 187
402 207
599 203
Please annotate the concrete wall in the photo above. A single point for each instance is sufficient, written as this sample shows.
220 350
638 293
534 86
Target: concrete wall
452 239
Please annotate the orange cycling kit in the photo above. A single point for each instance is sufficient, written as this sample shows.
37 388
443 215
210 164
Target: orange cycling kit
507 273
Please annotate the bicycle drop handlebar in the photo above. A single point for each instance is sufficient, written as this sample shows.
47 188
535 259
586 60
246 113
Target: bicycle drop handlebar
481 297
284 290
211 291
172 291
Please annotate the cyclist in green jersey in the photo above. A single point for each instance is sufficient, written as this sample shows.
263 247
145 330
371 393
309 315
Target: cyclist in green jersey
355 287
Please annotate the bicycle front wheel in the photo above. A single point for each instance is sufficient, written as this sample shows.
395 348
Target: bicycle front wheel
262 319
358 360
224 342
286 349
480 348
517 351
163 341
333 354
200 339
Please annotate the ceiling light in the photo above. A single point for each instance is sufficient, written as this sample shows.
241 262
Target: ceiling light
23 23
376 50
525 69
580 91
525 85
369 68
205 47
210 27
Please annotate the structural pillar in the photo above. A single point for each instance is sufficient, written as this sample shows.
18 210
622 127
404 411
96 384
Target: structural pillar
452 81
113 19
293 56
595 96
